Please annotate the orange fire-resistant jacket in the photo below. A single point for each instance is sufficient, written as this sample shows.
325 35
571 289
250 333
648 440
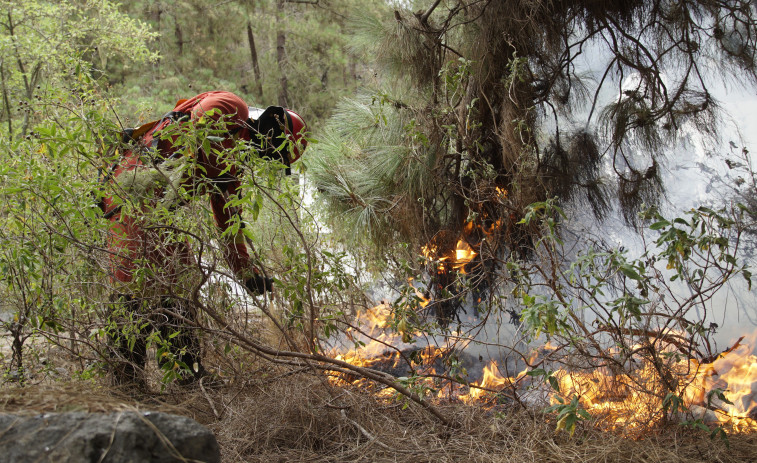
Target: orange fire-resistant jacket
132 243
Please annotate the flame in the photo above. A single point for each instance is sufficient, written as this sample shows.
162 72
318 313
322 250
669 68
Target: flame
379 339
491 380
373 323
736 373
465 251
429 251
625 400
463 255
632 400
629 399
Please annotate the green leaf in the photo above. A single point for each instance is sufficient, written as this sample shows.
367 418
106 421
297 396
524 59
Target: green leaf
659 225
554 383
629 271
720 432
255 209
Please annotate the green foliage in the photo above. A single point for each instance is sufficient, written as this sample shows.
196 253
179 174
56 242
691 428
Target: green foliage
622 312
50 221
675 404
49 50
618 291
49 225
549 377
372 176
206 47
704 234
568 414
417 385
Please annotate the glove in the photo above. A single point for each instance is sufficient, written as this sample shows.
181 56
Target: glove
259 285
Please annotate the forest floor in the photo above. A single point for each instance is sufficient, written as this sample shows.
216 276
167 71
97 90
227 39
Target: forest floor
293 416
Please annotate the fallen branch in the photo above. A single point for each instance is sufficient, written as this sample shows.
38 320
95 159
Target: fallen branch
210 402
308 359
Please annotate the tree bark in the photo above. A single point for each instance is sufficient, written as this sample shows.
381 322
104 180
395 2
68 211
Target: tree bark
325 78
157 12
255 65
179 36
6 101
281 57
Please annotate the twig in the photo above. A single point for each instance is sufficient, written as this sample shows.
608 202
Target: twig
371 437
210 402
427 14
289 373
725 352
164 440
112 438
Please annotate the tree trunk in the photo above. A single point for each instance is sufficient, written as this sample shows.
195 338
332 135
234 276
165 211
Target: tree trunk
157 12
179 36
255 65
353 71
281 57
6 101
325 78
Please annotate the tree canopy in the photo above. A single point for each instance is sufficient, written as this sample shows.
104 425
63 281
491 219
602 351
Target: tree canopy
481 108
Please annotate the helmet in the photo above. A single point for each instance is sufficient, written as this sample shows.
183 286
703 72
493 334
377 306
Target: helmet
275 122
295 131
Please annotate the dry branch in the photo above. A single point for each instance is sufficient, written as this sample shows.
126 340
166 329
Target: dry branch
322 362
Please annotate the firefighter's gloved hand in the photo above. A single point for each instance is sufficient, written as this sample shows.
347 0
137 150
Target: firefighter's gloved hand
259 285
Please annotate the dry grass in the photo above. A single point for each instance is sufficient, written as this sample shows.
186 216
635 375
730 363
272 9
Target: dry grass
289 417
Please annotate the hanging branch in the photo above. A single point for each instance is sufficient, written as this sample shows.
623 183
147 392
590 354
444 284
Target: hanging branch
425 16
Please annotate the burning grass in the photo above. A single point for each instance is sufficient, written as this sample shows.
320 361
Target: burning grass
629 399
290 416
631 357
265 413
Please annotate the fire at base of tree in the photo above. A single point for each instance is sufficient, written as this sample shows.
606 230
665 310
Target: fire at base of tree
610 358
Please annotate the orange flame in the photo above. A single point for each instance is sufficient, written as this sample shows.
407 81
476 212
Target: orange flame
463 255
464 251
491 380
628 401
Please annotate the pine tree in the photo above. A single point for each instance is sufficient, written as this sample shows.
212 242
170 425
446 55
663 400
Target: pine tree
262 50
472 116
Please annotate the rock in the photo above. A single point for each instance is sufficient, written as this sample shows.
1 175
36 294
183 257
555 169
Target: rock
706 415
117 437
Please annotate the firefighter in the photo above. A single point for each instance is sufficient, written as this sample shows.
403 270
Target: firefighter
146 261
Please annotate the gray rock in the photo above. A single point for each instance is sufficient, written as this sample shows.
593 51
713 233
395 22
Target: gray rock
697 412
117 437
